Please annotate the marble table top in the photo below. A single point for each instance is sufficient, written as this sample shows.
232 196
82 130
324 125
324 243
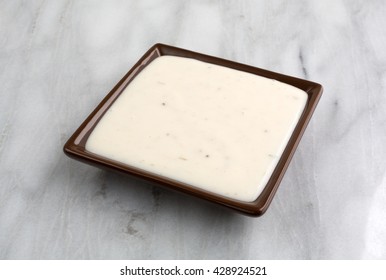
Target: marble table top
60 58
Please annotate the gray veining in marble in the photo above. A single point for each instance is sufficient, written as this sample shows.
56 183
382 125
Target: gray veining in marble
58 59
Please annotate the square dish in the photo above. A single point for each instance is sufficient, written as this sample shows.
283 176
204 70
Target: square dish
176 133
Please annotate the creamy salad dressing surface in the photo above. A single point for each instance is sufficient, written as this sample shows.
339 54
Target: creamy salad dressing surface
209 126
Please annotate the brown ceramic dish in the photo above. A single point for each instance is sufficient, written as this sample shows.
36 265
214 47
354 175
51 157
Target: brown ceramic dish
75 146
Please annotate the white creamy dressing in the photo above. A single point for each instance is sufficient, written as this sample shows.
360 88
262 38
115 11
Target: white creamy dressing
209 126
